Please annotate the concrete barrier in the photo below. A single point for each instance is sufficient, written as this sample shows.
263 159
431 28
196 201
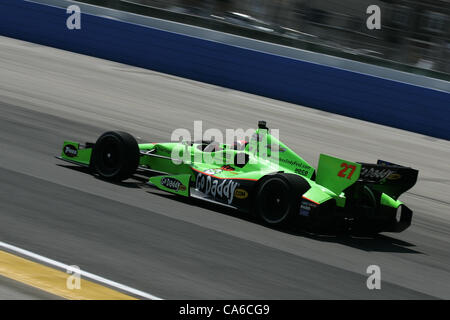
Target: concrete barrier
358 95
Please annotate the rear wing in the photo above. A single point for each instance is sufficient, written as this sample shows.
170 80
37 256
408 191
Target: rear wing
389 178
392 179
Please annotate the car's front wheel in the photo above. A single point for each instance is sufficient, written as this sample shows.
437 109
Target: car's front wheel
115 156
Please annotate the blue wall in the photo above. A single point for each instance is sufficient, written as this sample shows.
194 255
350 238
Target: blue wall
352 94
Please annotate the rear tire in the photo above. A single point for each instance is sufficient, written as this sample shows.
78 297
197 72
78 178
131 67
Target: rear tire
368 226
115 156
278 198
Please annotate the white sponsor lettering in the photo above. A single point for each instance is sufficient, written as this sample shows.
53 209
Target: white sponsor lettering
217 188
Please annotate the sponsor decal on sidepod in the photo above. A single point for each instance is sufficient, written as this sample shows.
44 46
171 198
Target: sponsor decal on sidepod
172 184
219 189
241 194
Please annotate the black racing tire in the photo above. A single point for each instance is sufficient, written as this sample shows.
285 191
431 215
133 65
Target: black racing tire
278 198
115 156
364 226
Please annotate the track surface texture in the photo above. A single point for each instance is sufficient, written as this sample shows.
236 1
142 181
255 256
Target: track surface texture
178 249
13 290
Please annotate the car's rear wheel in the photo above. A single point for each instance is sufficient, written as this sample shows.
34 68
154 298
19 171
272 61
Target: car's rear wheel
115 156
278 198
368 223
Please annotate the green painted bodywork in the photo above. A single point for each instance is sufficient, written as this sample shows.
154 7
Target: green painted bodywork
389 202
83 155
336 174
183 160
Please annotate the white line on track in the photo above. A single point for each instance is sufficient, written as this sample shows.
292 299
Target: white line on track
85 274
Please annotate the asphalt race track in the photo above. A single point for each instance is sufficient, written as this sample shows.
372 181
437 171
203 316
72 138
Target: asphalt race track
176 249
13 290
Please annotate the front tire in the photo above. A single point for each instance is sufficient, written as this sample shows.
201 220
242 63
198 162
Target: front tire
278 198
115 156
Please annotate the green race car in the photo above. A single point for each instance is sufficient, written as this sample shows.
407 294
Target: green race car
262 177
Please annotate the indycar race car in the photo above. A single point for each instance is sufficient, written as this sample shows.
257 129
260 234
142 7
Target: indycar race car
262 177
